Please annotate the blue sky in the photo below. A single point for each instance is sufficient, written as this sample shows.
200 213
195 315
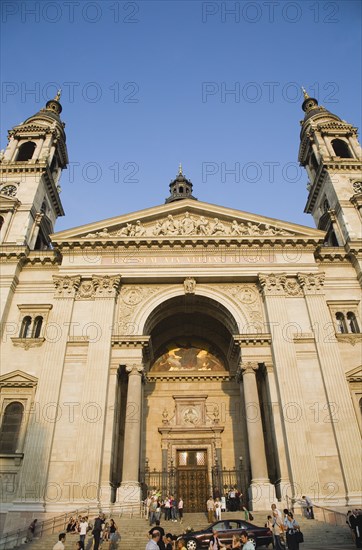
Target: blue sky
214 85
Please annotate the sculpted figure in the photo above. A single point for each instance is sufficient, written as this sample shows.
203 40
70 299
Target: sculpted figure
171 226
253 228
139 230
187 224
103 233
158 229
218 228
202 226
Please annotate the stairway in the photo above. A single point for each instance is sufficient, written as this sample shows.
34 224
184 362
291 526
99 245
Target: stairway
317 535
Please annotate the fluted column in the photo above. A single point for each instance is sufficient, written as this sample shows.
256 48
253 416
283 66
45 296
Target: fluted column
88 464
302 465
261 491
42 423
341 412
130 487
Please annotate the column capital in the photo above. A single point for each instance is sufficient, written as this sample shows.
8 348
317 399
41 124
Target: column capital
66 286
249 367
272 284
106 286
312 283
135 369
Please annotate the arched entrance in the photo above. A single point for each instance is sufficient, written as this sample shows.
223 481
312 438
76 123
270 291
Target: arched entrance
193 434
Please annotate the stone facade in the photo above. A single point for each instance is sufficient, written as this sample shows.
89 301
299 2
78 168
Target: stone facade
183 327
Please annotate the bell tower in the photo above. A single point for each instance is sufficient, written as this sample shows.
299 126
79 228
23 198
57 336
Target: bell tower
330 152
30 169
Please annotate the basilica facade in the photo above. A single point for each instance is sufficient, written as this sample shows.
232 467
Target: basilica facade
186 347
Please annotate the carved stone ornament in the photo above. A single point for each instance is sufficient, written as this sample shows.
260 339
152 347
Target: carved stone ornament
249 367
135 369
186 224
189 285
86 291
66 287
273 284
292 288
106 286
311 282
357 186
132 297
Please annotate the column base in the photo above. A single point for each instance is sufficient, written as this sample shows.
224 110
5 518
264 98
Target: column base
283 493
353 499
261 495
129 496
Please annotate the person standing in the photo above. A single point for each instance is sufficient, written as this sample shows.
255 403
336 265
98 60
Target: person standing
218 509
278 531
180 508
31 531
291 527
83 526
210 506
97 530
215 543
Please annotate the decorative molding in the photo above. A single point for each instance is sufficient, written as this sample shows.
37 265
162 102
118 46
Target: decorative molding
86 290
273 284
66 286
132 297
18 379
143 342
354 375
249 367
27 343
303 337
312 283
292 288
187 377
106 286
190 285
349 338
252 339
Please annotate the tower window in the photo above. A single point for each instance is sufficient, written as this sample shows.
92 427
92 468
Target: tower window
25 327
181 189
341 323
341 149
314 162
10 428
38 322
352 322
1 221
26 151
325 205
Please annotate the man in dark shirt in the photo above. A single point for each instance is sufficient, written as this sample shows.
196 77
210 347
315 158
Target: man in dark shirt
97 529
168 541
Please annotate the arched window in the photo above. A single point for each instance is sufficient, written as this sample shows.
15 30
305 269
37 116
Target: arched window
341 149
325 205
341 323
26 151
10 427
352 322
25 327
38 321
1 222
180 189
314 162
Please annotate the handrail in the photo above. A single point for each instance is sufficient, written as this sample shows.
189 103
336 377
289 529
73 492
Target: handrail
11 539
328 515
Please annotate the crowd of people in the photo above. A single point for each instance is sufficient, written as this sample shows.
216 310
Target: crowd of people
101 531
156 507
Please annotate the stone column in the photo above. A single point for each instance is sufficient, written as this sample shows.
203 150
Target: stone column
302 465
129 492
339 401
42 423
284 482
261 491
88 466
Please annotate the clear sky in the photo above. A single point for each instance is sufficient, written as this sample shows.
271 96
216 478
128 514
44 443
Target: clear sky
149 84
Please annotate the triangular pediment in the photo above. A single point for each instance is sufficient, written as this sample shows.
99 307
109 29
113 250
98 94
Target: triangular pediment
354 375
18 378
187 219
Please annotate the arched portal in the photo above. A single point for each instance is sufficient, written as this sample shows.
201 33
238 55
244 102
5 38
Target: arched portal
194 437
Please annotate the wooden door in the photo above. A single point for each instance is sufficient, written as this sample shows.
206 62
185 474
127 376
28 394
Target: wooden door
192 479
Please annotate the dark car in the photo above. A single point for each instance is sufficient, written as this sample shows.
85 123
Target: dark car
259 536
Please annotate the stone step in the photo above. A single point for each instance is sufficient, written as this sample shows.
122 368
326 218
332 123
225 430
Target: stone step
317 535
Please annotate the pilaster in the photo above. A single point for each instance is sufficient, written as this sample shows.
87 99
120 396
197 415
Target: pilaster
34 473
339 402
299 451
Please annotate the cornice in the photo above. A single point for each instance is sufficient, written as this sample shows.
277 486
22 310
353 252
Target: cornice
187 376
28 343
13 253
257 339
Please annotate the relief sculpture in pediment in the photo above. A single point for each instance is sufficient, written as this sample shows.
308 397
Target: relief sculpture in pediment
187 225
